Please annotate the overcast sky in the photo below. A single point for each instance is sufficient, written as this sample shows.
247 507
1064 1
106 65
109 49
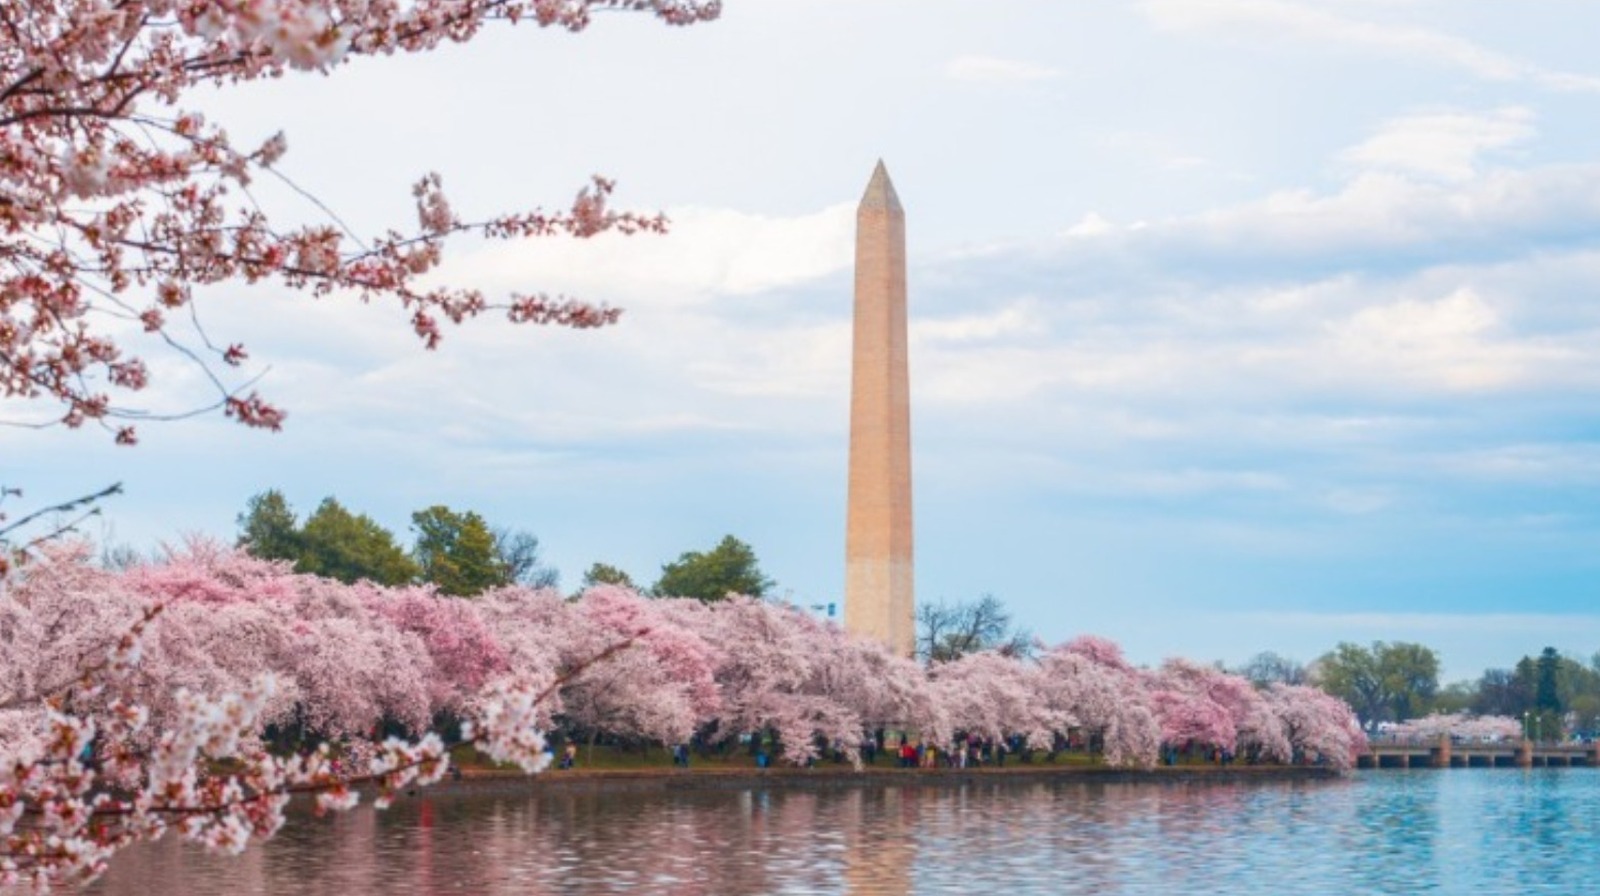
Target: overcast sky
1236 324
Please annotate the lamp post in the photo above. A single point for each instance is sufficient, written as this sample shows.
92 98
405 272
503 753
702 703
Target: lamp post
1538 727
1525 724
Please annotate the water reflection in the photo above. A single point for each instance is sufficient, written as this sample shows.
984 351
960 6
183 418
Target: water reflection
880 843
1424 831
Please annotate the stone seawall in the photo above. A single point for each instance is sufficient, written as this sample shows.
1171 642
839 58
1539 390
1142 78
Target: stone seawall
678 780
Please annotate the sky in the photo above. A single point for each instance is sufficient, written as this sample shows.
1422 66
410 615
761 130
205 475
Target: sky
1236 325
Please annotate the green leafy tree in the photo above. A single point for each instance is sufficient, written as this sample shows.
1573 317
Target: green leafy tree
1411 673
728 568
1350 672
606 574
1389 681
1581 688
1459 696
457 552
269 529
1585 713
345 546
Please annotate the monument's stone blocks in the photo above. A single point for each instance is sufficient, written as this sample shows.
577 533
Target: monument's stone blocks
879 600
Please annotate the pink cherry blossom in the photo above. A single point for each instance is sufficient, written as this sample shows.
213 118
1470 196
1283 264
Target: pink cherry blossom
170 668
992 696
122 202
1096 692
1319 726
1459 725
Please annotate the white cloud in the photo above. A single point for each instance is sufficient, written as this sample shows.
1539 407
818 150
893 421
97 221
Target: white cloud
1447 145
704 335
716 339
1454 343
785 360
1405 42
1527 463
1381 212
1389 286
707 253
1017 320
989 69
991 376
1091 224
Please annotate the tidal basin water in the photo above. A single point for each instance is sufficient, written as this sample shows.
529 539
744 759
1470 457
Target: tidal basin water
1456 831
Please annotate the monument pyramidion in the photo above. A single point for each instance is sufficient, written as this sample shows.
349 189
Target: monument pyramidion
879 599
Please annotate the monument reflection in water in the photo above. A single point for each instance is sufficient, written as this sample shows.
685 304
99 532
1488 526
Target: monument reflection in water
1508 831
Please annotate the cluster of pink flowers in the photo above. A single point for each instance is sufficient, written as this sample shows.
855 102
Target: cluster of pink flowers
135 701
1461 726
117 204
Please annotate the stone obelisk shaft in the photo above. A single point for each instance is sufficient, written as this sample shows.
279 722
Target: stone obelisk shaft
878 596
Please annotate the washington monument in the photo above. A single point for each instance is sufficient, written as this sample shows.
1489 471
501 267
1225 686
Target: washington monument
879 598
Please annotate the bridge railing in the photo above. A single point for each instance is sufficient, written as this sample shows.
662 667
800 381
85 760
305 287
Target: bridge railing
1389 740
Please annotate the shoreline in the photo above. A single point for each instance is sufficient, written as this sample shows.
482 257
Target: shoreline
685 780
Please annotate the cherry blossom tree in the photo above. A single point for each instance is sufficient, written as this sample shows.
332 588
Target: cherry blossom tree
992 696
778 670
237 617
1101 651
889 691
526 624
1085 684
122 691
1188 709
106 743
64 616
61 822
1459 725
1319 726
463 648
122 205
662 691
781 669
1256 730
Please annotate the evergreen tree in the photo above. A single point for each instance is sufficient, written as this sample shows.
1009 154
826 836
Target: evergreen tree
457 552
1547 691
606 574
345 546
729 568
268 528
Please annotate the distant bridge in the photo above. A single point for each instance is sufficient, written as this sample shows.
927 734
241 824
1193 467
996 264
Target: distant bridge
1444 753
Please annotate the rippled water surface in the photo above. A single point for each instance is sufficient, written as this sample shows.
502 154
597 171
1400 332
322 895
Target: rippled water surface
1459 831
